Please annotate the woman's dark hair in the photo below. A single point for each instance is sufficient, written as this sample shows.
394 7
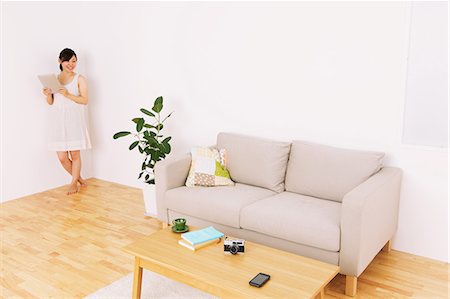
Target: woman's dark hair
66 55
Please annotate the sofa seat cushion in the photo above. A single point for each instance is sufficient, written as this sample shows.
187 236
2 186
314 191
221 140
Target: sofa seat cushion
256 161
298 218
328 172
221 204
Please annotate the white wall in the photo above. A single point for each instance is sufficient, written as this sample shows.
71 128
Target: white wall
31 42
328 72
426 107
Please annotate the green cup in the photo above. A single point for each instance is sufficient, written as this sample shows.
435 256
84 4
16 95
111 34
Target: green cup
179 223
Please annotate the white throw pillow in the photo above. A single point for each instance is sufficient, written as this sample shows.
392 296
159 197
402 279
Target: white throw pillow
208 168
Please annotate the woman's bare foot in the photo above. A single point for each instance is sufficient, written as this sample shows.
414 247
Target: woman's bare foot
82 182
73 188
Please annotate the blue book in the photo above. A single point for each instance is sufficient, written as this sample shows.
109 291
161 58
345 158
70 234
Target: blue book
202 235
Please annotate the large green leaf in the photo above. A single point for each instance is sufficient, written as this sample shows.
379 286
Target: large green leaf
158 146
145 111
136 119
166 148
158 104
151 139
149 126
140 125
154 154
133 145
121 134
154 143
166 140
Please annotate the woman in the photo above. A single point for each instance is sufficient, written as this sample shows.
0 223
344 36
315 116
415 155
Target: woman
68 132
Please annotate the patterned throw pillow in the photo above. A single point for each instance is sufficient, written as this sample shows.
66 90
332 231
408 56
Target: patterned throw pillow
208 168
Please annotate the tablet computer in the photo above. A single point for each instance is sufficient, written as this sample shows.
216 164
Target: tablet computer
50 81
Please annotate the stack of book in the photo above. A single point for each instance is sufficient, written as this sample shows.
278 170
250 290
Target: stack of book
200 238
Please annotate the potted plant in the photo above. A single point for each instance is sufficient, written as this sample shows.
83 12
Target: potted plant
153 146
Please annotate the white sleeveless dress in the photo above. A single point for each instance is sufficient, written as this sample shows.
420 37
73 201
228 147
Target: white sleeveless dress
68 129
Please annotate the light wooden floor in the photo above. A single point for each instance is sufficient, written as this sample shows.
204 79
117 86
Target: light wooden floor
58 246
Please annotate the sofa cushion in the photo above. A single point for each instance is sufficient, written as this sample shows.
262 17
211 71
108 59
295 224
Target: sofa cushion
297 218
216 204
255 161
208 168
328 172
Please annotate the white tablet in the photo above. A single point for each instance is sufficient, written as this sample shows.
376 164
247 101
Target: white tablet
50 81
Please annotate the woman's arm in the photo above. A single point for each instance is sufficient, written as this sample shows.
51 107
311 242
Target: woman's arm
48 93
82 87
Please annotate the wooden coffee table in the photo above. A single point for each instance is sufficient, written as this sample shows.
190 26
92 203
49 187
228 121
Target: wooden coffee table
227 276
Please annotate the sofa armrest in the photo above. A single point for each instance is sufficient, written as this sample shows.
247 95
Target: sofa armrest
169 173
369 219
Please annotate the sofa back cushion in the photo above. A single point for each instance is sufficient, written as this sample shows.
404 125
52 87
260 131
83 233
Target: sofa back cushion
255 161
328 172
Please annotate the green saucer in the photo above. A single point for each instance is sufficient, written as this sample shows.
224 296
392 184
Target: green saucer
186 228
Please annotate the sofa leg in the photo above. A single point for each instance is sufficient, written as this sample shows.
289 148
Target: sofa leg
388 246
350 285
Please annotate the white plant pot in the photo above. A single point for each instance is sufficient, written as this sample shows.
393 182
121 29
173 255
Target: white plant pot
149 200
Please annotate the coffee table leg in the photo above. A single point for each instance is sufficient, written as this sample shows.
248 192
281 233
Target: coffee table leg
321 294
137 282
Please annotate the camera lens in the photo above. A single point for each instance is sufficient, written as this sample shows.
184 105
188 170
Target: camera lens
234 249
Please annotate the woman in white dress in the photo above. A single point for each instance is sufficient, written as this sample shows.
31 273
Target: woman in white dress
68 133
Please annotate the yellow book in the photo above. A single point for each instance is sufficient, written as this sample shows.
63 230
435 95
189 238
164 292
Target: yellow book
186 244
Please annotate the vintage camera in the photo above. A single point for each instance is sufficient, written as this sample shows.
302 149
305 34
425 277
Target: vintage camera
233 246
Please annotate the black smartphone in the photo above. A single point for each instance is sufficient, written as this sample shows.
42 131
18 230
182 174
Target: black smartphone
259 280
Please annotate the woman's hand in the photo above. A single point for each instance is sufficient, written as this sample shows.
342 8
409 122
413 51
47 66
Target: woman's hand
64 91
47 92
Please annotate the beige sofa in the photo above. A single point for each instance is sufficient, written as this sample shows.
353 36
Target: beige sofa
336 205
